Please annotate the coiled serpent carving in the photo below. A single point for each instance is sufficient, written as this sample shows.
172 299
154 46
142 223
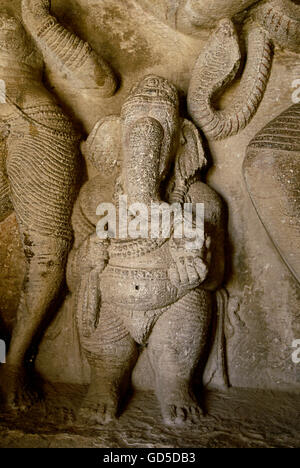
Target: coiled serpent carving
271 22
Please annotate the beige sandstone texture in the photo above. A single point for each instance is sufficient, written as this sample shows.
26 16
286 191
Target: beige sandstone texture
155 80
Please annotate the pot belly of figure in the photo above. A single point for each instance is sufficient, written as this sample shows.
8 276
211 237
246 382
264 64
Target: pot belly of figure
142 281
140 290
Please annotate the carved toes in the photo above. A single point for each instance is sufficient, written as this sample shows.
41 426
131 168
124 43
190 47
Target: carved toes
181 414
97 414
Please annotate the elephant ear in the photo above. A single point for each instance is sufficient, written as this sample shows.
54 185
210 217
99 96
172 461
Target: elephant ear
190 157
103 146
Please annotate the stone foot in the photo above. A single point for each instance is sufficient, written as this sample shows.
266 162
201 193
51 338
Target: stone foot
100 406
15 393
179 406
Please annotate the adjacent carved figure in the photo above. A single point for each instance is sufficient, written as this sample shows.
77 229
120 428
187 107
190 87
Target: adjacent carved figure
272 174
38 171
274 21
202 13
145 292
280 18
266 22
188 16
65 51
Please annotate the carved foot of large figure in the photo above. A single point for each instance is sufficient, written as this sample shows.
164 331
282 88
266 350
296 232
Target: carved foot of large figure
16 394
178 404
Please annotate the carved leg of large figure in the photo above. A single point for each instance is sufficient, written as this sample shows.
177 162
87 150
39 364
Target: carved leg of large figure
45 272
6 207
112 354
176 345
42 171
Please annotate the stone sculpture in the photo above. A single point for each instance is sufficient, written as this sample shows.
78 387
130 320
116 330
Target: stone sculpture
280 18
272 174
188 16
271 22
38 171
130 293
204 14
65 51
216 68
266 23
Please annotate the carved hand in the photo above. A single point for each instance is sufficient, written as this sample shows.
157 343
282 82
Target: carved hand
188 271
190 266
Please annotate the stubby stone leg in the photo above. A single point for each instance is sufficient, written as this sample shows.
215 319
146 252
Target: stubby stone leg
176 345
112 354
45 271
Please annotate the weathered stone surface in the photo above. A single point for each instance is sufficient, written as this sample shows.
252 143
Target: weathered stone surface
272 174
137 38
263 318
238 419
39 165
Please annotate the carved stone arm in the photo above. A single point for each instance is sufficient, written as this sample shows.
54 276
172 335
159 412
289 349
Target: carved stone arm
66 50
191 254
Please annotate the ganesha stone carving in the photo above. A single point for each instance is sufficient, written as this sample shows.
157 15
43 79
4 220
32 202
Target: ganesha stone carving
38 171
65 51
134 293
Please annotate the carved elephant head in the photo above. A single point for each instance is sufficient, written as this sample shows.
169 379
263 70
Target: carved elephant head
146 140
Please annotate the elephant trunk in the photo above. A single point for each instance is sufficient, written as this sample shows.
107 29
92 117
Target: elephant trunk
281 19
65 51
217 67
142 148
